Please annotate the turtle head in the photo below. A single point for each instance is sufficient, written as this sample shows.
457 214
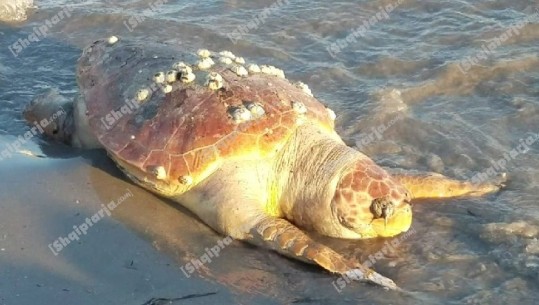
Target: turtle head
51 114
368 203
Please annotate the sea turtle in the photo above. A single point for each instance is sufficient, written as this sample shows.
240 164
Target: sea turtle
253 155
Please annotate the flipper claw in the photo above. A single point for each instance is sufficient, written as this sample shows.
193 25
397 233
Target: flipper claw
373 277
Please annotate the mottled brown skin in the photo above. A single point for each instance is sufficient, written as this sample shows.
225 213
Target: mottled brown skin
259 180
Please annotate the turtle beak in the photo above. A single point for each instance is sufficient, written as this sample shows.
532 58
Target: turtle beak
387 212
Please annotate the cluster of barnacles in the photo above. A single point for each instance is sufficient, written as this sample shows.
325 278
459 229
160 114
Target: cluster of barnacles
184 72
246 112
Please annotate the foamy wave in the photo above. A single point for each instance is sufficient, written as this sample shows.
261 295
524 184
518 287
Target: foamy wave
14 10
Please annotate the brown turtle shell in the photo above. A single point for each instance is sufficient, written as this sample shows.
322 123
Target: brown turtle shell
189 131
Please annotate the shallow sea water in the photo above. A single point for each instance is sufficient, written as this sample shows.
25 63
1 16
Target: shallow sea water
404 76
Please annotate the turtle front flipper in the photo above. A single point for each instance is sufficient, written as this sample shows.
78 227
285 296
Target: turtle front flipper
280 235
438 186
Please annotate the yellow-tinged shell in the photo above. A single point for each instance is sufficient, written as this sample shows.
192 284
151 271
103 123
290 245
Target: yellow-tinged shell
191 130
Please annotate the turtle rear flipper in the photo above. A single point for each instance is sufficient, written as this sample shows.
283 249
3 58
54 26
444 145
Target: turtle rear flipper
61 119
52 112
